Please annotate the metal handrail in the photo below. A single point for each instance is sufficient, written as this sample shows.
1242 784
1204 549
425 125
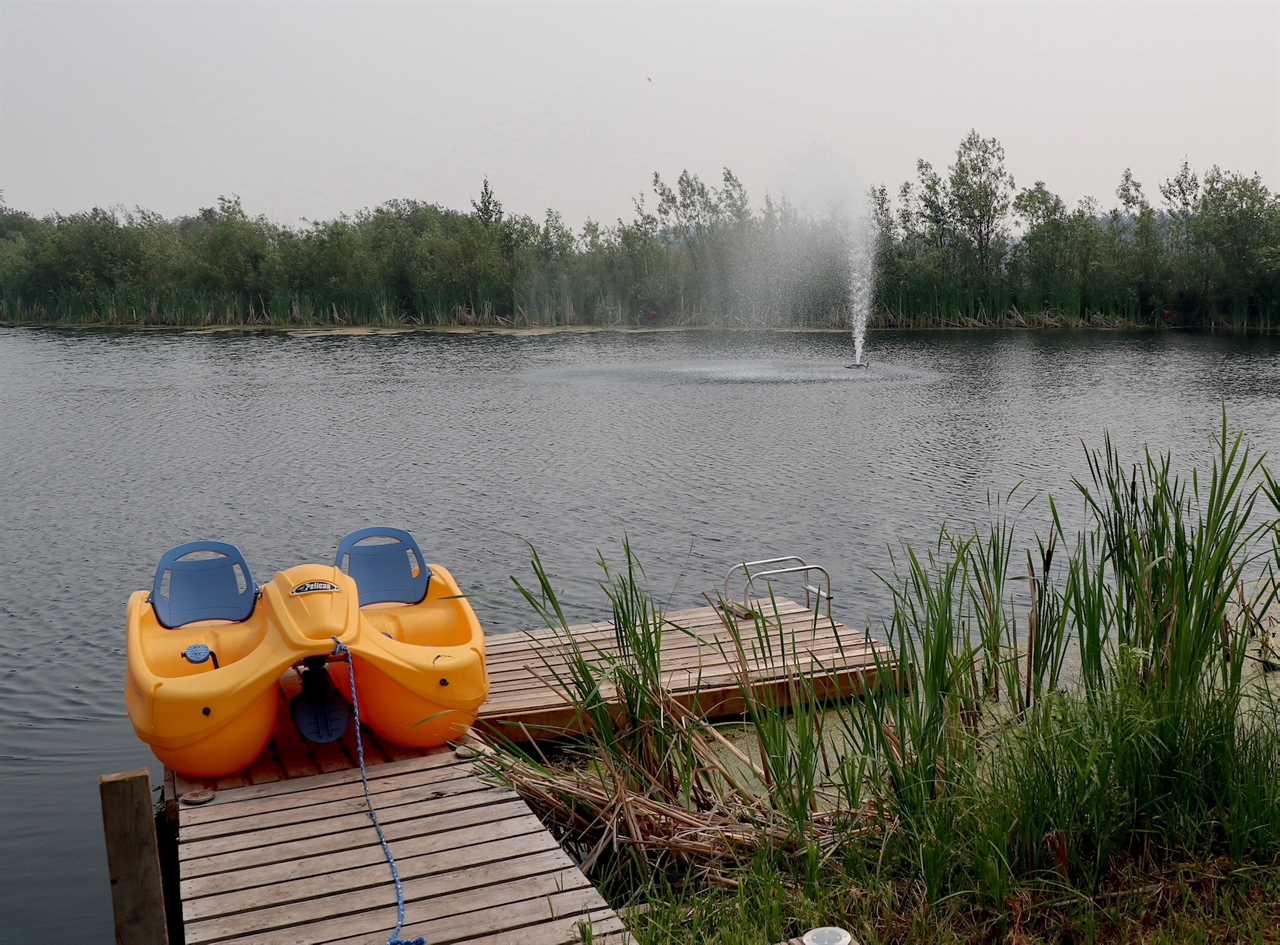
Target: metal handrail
746 567
799 567
808 588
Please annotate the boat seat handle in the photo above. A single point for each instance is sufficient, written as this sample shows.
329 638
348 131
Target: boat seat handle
202 580
387 565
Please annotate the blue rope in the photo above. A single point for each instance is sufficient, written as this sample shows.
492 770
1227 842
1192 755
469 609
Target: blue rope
340 649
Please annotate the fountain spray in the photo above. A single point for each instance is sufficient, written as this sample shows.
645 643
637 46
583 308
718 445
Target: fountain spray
861 285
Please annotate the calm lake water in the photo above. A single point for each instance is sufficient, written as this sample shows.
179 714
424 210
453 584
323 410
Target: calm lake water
704 449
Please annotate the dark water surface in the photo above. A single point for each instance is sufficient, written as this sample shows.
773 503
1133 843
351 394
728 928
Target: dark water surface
704 449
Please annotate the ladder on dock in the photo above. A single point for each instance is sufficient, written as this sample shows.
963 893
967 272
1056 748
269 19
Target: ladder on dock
769 570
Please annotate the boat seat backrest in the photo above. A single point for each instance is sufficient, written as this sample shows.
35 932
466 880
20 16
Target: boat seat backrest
203 580
387 565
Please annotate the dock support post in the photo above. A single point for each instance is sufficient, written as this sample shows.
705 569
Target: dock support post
133 860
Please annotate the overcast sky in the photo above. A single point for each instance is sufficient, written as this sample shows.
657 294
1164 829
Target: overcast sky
306 109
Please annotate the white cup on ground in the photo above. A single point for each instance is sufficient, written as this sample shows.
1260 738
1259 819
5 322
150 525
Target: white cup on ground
827 935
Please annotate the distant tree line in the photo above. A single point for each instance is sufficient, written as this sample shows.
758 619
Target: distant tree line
699 255
960 247
967 246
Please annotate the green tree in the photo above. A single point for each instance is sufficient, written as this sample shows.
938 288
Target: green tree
981 191
1043 249
1233 223
488 209
1142 254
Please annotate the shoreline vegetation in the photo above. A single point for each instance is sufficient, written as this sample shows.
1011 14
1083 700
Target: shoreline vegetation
960 247
1085 748
354 331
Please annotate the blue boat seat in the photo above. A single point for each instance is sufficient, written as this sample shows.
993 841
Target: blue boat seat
387 564
203 580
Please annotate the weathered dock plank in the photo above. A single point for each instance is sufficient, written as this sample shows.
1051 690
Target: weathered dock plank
298 860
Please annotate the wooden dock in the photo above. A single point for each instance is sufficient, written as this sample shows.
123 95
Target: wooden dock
285 851
298 861
704 664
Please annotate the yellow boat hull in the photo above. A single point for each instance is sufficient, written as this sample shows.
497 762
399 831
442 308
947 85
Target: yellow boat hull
420 668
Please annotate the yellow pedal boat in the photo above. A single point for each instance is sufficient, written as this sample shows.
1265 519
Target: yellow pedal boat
207 649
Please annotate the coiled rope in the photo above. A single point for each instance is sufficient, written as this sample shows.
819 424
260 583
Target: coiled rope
340 649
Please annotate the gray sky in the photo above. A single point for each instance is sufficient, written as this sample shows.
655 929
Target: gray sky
307 108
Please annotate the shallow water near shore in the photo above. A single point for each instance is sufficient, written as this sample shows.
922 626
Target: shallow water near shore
704 449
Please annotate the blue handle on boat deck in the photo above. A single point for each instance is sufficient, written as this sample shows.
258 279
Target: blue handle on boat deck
340 649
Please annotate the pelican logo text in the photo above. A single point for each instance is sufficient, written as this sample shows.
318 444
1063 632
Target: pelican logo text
315 587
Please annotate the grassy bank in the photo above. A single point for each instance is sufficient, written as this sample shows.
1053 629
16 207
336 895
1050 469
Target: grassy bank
1083 749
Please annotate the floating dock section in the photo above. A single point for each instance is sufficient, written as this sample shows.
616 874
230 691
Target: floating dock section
705 661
